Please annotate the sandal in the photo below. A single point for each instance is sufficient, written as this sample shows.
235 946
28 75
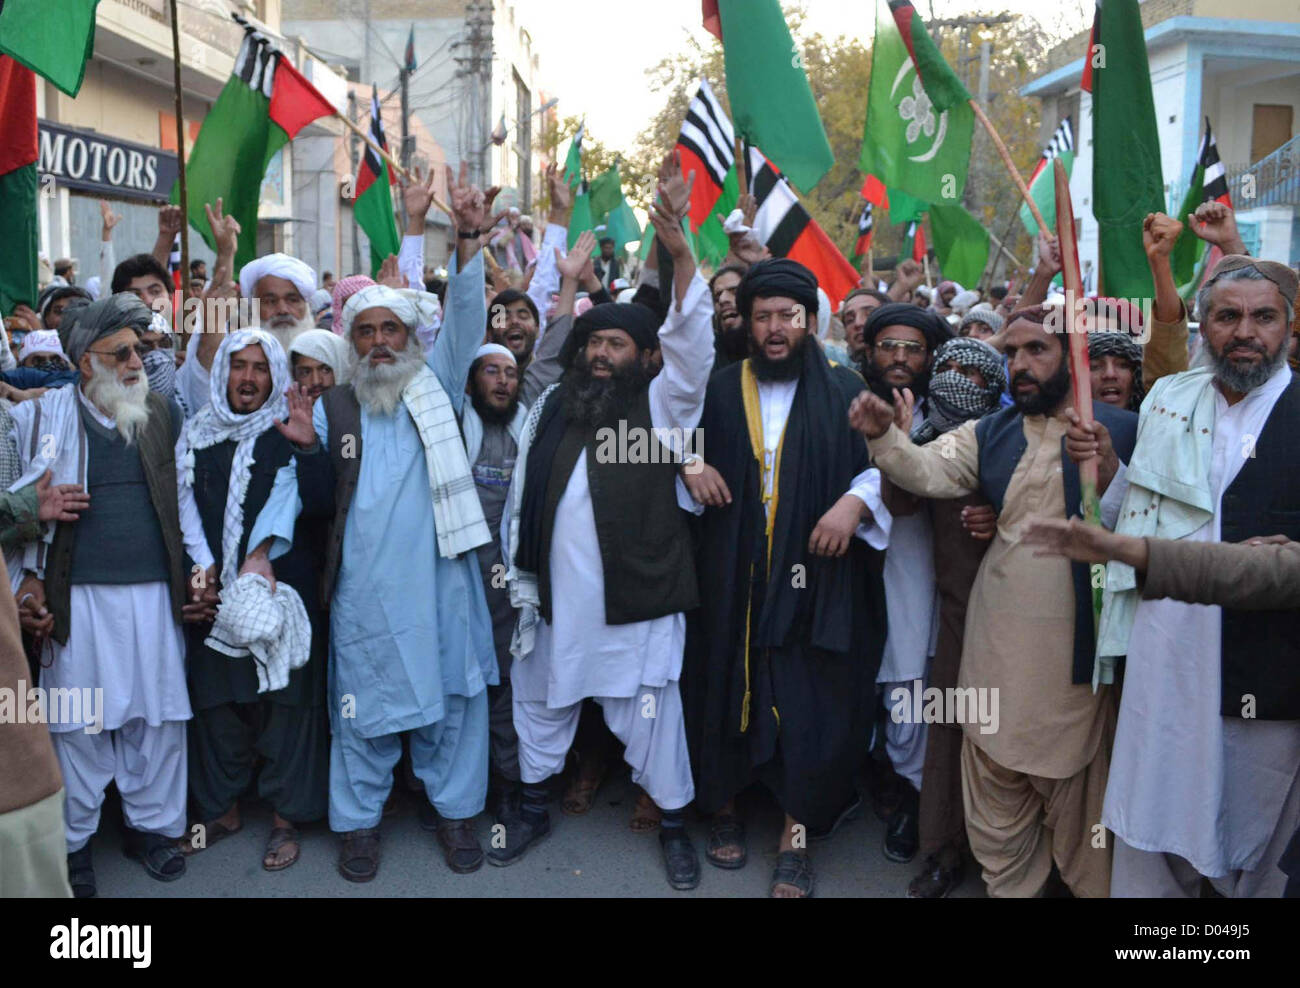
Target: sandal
579 796
793 869
645 815
726 831
460 846
359 855
280 836
212 833
163 860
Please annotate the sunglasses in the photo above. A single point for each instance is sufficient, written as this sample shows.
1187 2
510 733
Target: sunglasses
123 353
909 347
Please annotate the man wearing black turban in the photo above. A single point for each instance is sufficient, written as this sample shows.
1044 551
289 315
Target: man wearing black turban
782 655
600 557
900 341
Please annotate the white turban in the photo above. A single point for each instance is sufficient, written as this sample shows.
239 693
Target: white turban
277 266
42 341
490 349
412 307
329 348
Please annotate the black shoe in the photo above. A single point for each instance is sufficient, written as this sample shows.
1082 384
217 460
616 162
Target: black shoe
506 802
903 836
460 846
886 789
680 859
81 874
520 834
161 856
935 880
428 815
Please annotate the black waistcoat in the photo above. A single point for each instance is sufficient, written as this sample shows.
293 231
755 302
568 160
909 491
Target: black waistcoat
1261 649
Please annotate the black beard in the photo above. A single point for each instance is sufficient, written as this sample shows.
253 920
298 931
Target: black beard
734 342
594 401
492 415
1050 392
786 369
875 378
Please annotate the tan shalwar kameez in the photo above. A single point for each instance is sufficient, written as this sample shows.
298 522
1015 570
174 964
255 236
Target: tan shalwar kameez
1033 789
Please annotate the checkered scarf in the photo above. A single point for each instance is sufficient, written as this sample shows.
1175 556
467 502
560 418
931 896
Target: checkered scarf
953 397
1114 343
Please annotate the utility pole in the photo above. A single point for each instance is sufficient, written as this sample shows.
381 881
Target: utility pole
355 162
475 68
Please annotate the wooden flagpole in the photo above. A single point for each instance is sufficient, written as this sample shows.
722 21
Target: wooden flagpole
1005 155
178 319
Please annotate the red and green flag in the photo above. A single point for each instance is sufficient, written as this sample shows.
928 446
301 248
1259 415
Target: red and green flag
919 119
1126 176
53 38
263 106
706 146
18 226
772 103
1189 258
914 245
372 205
1042 183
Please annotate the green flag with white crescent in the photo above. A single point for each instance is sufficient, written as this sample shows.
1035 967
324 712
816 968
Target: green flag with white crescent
919 120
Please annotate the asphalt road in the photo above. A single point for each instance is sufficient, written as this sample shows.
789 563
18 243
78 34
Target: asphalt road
588 856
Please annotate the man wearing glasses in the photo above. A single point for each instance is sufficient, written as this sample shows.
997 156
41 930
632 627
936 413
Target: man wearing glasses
106 595
898 344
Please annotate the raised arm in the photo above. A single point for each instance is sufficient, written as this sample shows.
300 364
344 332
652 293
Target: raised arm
170 221
465 313
555 238
417 196
947 467
1165 351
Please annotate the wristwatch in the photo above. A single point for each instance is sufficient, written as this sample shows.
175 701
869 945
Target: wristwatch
469 234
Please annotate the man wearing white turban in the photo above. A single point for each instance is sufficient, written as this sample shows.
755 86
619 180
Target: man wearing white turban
410 635
318 361
258 497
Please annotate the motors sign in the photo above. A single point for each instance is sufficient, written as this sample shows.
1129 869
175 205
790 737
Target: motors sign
83 159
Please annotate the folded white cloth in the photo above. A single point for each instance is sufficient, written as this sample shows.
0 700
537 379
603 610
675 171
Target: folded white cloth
272 627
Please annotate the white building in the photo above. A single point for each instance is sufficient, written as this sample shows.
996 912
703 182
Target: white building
475 67
1243 73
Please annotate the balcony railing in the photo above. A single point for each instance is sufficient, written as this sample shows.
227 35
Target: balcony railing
1272 181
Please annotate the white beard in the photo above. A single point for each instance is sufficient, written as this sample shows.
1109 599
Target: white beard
379 386
125 404
285 335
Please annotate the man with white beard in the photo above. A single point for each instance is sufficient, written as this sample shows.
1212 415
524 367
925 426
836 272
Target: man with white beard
105 596
410 635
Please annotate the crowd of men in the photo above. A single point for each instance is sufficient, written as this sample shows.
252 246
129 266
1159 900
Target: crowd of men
437 530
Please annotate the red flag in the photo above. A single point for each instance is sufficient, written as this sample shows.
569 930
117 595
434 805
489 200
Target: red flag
712 19
919 246
294 101
874 191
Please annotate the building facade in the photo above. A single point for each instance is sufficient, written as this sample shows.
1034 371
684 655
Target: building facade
1242 73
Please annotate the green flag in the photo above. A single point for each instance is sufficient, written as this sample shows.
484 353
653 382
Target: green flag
711 240
1126 178
373 206
53 38
961 244
772 104
605 190
1042 189
904 208
573 161
580 217
919 120
242 132
622 225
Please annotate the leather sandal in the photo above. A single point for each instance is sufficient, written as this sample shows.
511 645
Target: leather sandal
726 831
460 846
359 855
162 858
646 816
280 836
793 869
213 831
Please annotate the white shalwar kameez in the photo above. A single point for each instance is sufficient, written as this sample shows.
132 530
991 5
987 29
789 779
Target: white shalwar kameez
1221 793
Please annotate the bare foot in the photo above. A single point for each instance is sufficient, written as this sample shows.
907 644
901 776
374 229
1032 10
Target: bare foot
284 855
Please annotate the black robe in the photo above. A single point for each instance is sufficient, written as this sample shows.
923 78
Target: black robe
815 625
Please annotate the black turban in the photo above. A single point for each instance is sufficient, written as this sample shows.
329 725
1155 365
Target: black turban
104 318
778 277
638 321
931 324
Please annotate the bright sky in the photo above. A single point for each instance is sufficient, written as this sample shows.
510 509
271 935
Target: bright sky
594 54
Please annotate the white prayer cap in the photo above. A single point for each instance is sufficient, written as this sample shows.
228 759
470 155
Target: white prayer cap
277 266
490 349
626 295
329 348
414 308
319 301
41 341
962 301
92 286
